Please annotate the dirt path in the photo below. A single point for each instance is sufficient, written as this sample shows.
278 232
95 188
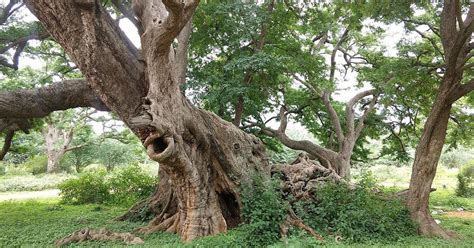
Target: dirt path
468 215
25 195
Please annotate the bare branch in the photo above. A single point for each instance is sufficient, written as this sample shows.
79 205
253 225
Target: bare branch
334 52
432 41
360 124
9 9
433 29
350 108
302 145
336 123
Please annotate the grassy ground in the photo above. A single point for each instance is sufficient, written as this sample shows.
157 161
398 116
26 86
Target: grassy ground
40 223
30 182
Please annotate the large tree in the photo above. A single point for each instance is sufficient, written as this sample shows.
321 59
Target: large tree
202 158
455 33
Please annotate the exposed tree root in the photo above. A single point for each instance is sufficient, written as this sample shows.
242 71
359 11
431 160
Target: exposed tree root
293 220
303 176
99 235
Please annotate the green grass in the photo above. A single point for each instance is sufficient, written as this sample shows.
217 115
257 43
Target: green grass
40 223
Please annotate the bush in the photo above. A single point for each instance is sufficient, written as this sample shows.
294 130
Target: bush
465 181
36 165
356 215
90 187
125 186
263 211
130 184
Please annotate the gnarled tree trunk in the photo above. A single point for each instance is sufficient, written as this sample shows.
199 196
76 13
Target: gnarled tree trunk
202 158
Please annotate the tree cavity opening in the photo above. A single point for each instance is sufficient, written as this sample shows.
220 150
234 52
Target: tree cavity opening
159 145
230 209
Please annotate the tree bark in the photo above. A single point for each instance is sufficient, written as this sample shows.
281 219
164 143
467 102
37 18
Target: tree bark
40 102
57 143
203 159
424 170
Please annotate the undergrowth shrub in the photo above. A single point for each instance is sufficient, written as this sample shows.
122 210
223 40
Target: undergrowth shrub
356 214
465 177
263 212
129 184
36 165
90 187
123 187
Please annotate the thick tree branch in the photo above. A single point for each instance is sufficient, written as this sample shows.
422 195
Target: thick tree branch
350 108
302 145
162 27
368 110
7 144
128 13
461 91
40 102
100 49
181 53
336 123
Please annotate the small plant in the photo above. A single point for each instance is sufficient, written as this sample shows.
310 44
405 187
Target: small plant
88 188
263 212
123 187
36 165
130 184
465 181
356 214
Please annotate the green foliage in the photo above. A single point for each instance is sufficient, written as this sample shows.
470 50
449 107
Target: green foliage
357 215
124 186
466 180
36 165
129 184
88 188
3 168
263 212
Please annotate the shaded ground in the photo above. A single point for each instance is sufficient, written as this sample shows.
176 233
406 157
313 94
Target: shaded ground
25 195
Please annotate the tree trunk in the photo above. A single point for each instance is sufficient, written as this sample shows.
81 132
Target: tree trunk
342 165
203 159
456 35
427 156
57 142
